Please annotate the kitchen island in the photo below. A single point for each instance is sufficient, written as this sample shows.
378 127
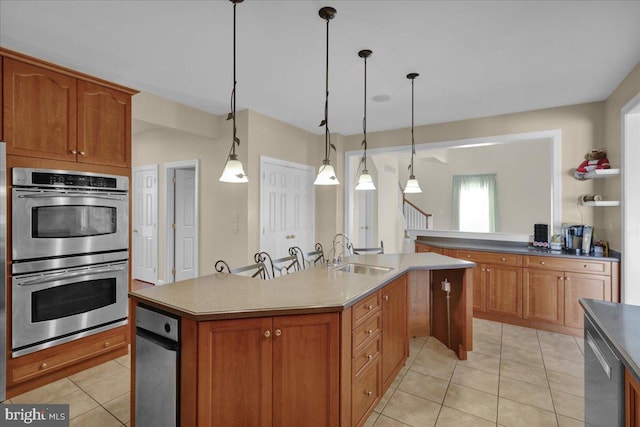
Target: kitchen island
317 347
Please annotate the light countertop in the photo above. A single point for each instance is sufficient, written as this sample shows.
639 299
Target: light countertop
313 290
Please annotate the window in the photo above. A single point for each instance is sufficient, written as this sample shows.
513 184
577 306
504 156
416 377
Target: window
474 205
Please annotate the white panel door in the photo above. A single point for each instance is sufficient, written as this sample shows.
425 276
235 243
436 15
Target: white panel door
287 210
145 224
185 225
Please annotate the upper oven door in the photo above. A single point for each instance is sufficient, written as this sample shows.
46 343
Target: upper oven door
49 223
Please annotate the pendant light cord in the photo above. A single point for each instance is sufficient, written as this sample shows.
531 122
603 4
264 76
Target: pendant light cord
364 119
233 92
413 142
327 135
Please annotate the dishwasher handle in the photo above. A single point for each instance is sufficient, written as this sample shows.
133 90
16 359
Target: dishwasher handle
596 351
165 343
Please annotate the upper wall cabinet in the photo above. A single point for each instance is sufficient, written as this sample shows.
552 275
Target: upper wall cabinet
57 114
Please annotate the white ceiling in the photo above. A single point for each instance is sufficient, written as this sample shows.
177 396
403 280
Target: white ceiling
475 58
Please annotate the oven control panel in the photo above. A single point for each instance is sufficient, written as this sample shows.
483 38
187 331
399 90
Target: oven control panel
68 179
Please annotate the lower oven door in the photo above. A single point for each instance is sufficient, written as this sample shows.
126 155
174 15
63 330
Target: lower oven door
59 306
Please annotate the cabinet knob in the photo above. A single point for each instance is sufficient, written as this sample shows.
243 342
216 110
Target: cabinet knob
267 334
369 307
541 262
107 344
488 269
370 331
385 297
44 366
566 278
370 356
468 256
73 152
586 266
503 259
278 332
368 393
82 153
482 269
560 278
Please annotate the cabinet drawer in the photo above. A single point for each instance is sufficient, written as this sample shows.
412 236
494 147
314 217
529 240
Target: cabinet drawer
491 257
565 264
365 307
365 392
364 332
364 358
35 366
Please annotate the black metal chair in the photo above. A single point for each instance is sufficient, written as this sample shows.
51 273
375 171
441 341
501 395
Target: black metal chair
284 265
369 251
308 259
254 270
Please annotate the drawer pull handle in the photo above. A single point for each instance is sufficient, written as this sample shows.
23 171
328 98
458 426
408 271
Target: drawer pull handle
370 356
385 297
107 344
369 307
368 393
370 332
278 332
267 334
44 366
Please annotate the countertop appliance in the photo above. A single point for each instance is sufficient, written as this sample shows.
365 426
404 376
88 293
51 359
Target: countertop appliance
3 275
603 381
157 368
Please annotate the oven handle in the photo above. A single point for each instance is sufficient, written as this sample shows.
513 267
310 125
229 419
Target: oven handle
50 195
596 351
56 276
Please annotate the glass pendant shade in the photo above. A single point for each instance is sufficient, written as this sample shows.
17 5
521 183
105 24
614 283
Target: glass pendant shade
326 175
233 171
412 185
365 182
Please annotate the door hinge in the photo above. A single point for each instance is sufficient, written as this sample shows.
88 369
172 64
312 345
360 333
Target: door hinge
173 225
173 271
173 180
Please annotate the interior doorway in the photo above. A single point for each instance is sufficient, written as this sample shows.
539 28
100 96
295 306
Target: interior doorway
631 204
145 223
287 206
182 222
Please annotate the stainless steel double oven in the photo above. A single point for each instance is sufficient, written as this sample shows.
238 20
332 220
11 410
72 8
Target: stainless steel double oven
70 235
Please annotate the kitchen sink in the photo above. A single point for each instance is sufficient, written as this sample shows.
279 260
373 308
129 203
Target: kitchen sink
363 269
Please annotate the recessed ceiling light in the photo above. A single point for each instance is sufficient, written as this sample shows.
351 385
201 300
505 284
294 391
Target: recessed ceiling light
381 98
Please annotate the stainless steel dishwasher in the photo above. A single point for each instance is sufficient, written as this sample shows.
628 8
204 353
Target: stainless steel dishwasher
157 368
603 381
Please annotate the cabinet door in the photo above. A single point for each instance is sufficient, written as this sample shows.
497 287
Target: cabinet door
479 289
504 290
39 108
543 298
421 247
306 370
235 369
104 125
632 400
394 328
578 285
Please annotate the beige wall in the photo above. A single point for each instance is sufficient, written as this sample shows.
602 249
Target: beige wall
582 128
610 219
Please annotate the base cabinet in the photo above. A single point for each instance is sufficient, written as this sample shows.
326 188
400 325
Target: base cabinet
631 400
279 371
394 329
544 296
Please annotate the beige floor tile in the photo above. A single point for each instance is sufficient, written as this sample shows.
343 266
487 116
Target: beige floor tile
433 344
521 332
110 388
98 417
125 360
371 420
514 414
411 410
450 417
524 356
470 401
98 373
528 394
424 386
47 393
120 407
517 342
520 372
396 381
486 348
566 383
487 326
433 364
385 399
476 379
569 422
482 362
383 421
570 352
5 402
568 405
492 337
570 367
580 342
79 403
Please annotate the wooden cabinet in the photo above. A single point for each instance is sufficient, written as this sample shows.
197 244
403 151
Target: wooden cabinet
497 282
553 287
422 247
394 329
53 114
269 371
631 400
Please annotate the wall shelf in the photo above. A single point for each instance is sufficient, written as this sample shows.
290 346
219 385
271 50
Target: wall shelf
601 173
602 203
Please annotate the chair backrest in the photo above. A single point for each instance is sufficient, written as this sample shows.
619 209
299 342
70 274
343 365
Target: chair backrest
283 265
254 270
342 245
308 259
364 251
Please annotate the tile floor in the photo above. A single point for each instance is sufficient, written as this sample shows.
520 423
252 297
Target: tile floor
514 377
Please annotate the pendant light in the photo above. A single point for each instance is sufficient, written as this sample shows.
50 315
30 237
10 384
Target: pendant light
326 174
233 171
412 184
365 182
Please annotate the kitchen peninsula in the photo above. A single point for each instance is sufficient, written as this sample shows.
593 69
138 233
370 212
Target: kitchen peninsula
317 347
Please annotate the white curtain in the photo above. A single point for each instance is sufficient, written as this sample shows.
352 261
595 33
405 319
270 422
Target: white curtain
474 203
